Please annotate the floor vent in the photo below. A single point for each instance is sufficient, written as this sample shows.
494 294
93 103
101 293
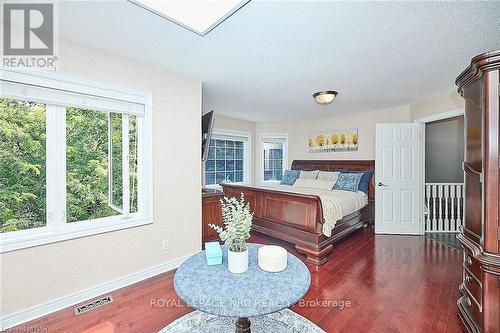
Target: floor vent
92 305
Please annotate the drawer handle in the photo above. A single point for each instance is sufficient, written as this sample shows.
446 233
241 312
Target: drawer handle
468 261
468 301
468 279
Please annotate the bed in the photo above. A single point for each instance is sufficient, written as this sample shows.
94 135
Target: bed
296 215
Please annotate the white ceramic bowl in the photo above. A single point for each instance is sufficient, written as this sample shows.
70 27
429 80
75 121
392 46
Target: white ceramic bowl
272 258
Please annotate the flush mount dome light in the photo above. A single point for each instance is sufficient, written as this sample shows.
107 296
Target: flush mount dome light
325 97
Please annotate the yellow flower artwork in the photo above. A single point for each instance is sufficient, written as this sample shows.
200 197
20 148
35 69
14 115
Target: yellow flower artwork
335 140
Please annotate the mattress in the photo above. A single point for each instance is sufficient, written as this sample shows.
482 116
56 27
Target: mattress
336 204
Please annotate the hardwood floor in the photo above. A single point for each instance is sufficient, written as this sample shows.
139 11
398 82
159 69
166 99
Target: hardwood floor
393 284
448 239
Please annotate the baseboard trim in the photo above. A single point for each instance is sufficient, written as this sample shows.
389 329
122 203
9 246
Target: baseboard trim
44 309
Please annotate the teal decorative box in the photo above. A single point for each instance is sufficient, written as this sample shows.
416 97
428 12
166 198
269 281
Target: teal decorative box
213 253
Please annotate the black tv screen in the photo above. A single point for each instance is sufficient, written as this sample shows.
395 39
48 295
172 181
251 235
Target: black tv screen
206 133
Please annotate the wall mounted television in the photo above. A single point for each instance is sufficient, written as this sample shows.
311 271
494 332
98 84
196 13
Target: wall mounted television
206 133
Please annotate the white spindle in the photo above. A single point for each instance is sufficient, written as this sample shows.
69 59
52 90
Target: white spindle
428 196
440 208
434 220
452 198
444 207
459 205
447 226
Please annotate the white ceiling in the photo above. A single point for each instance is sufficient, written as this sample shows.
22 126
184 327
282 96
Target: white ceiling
264 62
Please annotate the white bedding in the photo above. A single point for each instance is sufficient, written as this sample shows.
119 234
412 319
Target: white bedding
336 204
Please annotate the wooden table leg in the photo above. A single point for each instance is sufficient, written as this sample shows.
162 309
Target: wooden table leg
243 325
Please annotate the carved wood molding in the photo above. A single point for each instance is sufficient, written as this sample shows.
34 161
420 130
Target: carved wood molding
473 174
464 315
484 62
484 258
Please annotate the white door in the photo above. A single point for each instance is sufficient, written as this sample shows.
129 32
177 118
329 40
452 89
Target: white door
398 178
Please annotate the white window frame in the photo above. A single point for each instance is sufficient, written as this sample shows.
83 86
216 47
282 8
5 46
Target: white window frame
272 136
56 228
246 137
125 209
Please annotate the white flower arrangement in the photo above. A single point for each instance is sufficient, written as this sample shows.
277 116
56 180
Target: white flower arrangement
237 219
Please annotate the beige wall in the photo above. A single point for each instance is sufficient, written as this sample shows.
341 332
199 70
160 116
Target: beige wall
364 121
40 274
440 103
234 124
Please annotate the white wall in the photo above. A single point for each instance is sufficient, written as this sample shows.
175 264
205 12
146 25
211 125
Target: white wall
40 274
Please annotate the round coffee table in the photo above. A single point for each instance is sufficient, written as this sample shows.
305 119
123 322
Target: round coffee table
215 290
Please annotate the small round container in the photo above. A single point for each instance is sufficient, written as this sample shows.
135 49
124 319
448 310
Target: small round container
272 258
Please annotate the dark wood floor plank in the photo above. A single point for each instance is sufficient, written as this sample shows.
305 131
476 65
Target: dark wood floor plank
395 284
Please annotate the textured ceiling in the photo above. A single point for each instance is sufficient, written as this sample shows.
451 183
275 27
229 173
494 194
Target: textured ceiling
265 61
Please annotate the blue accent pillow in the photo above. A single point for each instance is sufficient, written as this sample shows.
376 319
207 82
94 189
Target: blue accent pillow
289 177
364 184
348 182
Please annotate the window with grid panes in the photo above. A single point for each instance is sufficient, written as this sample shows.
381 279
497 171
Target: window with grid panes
225 162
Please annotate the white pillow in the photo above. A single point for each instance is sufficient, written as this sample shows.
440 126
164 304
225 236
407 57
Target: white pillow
315 184
308 174
329 175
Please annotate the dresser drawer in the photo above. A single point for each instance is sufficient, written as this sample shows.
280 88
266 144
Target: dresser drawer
472 307
473 286
472 264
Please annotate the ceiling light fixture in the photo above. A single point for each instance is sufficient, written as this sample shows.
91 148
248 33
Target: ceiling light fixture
325 97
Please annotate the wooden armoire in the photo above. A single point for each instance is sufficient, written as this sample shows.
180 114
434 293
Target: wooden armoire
479 305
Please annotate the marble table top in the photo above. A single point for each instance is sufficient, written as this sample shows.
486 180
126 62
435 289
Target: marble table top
215 290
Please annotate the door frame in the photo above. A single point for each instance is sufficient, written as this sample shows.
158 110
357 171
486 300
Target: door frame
424 120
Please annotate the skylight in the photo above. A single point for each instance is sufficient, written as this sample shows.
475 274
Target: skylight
199 16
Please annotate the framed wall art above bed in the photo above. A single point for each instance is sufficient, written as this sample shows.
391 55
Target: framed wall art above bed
334 140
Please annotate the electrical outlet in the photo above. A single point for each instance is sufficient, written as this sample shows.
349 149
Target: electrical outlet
165 245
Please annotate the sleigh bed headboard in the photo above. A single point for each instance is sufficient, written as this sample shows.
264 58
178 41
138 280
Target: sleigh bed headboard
337 165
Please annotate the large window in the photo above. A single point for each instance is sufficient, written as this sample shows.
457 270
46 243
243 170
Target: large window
22 165
274 157
96 166
228 159
73 161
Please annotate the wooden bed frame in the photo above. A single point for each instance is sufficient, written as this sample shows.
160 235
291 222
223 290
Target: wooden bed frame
298 218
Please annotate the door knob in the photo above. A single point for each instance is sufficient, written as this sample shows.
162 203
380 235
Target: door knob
381 184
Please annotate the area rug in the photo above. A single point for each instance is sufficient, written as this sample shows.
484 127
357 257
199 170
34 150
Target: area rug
285 321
